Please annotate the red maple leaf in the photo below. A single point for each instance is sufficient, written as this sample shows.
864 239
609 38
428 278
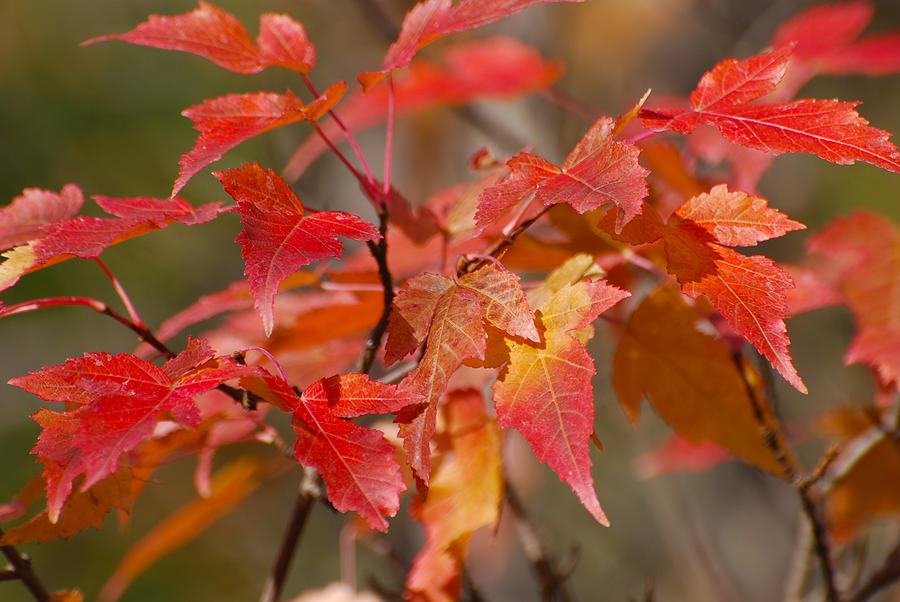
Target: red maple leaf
598 170
118 401
218 36
357 463
279 236
864 251
545 390
452 314
87 236
226 121
830 129
432 19
826 42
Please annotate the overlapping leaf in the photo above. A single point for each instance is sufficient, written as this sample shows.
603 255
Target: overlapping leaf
826 41
599 170
864 250
218 36
357 463
545 390
87 236
495 68
85 508
454 312
689 377
830 129
118 401
749 292
226 121
465 494
279 236
432 19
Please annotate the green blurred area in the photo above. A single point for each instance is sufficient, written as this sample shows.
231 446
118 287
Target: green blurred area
106 117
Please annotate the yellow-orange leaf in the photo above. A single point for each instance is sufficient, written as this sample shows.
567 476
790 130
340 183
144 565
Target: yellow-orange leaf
464 495
689 377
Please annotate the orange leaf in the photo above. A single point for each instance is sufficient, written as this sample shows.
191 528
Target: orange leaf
689 377
465 494
230 486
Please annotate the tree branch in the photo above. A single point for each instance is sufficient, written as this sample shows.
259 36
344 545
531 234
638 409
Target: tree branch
888 573
774 440
23 570
309 493
552 581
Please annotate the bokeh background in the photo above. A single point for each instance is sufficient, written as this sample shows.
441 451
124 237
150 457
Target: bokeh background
107 118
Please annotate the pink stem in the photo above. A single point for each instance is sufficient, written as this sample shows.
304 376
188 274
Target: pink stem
350 139
640 137
389 138
368 186
120 290
271 357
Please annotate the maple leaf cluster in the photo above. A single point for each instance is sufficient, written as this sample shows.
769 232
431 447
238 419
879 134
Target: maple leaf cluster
623 233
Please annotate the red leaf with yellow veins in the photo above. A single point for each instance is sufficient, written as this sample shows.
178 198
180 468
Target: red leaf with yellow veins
502 301
736 219
750 293
279 236
545 391
411 313
219 37
357 463
456 334
432 19
689 377
226 121
453 314
119 400
864 249
465 494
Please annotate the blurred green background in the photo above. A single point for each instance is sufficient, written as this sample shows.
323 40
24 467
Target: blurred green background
107 118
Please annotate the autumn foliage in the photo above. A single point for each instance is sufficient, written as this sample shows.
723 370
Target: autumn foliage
459 318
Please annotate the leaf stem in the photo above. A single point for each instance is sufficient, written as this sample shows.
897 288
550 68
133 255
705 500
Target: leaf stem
144 333
349 136
120 291
23 570
309 492
368 187
389 139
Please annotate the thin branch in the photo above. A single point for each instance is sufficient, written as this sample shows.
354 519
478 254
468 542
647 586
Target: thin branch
379 252
25 572
888 573
309 492
774 440
501 245
370 179
120 291
144 333
389 138
552 581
